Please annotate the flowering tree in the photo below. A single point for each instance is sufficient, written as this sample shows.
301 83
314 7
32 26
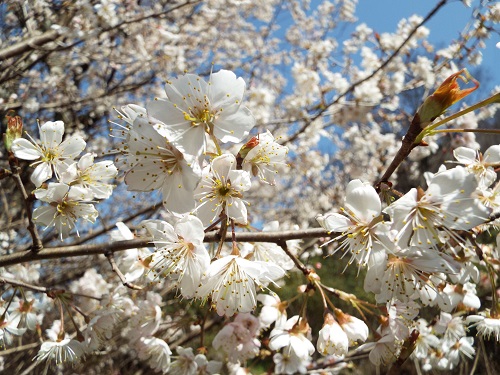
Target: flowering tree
177 177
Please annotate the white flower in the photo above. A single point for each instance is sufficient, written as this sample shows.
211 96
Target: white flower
195 107
88 175
8 328
358 223
67 205
55 154
100 329
231 282
185 363
25 315
452 327
153 163
403 272
221 191
147 318
273 310
62 351
137 262
155 351
447 205
331 338
383 351
180 252
425 341
265 157
238 339
355 329
486 326
482 166
290 363
267 252
401 317
294 334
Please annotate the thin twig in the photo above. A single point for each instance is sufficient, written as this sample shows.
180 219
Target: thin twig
36 288
116 270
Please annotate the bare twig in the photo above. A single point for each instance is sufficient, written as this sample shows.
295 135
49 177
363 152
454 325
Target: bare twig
22 284
103 248
116 270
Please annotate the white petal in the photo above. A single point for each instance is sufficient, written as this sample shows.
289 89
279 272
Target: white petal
72 147
51 133
24 149
465 155
235 127
42 173
492 155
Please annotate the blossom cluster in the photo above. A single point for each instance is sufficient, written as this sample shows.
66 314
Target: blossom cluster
213 148
416 253
78 183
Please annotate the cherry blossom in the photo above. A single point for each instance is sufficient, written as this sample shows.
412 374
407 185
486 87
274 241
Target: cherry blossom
67 205
194 108
220 191
55 154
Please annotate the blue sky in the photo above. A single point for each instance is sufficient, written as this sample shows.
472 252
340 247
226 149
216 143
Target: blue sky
445 26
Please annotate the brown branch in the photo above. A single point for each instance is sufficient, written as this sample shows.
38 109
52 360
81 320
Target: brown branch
14 166
22 284
103 248
29 44
375 72
116 270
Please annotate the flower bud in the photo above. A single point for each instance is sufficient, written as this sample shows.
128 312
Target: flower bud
14 130
446 95
245 149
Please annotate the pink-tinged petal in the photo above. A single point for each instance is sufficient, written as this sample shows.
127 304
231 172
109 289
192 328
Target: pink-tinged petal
235 127
72 147
42 173
465 155
364 202
24 149
492 155
51 133
225 90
